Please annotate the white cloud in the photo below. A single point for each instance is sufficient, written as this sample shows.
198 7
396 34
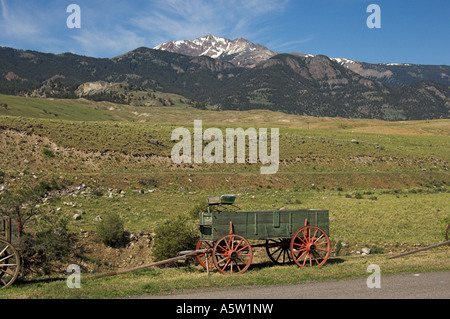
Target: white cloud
4 9
93 42
180 19
290 44
17 24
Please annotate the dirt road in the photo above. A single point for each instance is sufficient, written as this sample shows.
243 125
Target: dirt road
435 285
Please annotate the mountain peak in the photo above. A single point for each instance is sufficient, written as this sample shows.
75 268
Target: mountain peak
240 52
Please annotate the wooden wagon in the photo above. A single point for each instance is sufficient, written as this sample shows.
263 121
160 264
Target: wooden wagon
10 261
299 236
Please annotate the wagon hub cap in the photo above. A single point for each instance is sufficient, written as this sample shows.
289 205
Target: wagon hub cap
311 247
233 255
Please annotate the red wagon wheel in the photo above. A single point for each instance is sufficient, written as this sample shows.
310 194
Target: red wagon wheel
205 258
310 246
9 264
278 250
232 254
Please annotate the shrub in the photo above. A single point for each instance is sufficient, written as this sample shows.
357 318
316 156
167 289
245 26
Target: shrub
49 244
172 236
148 182
111 229
97 192
48 152
200 207
358 196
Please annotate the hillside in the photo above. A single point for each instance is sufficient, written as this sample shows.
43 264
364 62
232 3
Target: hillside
106 137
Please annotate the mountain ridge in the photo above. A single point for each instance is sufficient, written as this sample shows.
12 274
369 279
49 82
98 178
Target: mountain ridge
313 85
244 53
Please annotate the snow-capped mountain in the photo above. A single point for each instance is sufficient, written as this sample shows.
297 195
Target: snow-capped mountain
240 52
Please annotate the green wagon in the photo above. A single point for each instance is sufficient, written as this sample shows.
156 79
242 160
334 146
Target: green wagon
229 236
9 256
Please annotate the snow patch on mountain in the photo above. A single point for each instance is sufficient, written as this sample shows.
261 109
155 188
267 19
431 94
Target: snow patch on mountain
240 52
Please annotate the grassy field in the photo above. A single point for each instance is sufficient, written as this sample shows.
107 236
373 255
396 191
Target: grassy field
386 185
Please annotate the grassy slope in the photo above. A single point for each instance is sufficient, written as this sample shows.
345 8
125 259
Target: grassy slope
399 168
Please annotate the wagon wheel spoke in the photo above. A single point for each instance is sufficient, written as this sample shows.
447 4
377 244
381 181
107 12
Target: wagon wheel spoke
278 250
205 259
321 243
241 249
226 264
310 243
301 254
243 262
318 239
317 257
232 254
7 257
9 264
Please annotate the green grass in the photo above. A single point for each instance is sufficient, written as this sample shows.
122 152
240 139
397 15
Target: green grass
409 216
52 109
88 110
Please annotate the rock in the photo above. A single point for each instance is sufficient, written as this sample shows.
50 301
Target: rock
355 141
76 217
98 219
365 250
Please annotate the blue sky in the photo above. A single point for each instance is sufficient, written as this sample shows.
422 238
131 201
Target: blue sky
411 31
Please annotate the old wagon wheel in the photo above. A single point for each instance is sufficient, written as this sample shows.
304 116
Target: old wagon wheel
9 264
232 254
310 246
278 250
203 258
